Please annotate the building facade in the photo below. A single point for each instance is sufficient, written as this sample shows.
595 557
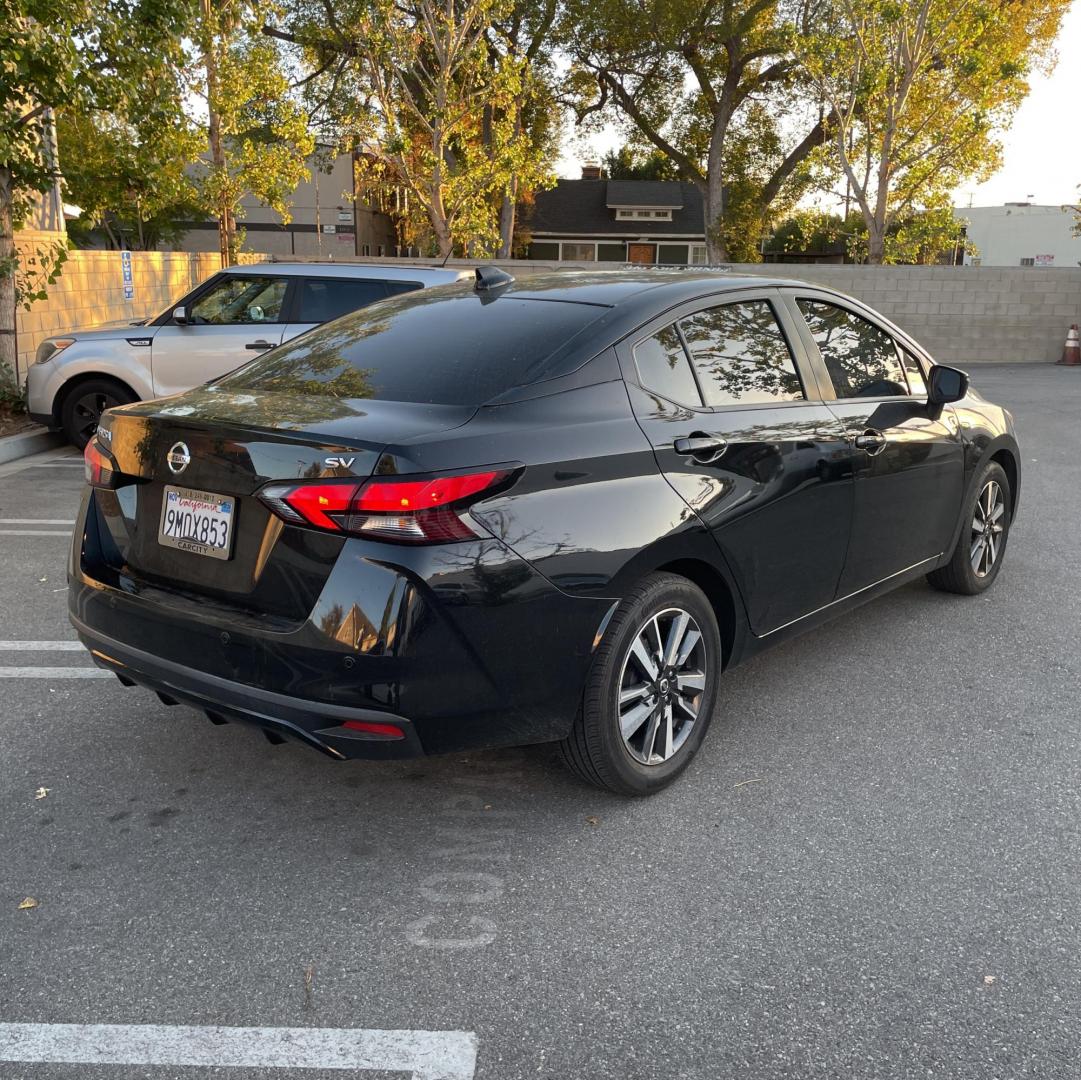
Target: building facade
328 217
635 221
1022 234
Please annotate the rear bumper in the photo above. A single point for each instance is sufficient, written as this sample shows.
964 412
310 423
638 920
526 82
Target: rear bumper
315 724
463 647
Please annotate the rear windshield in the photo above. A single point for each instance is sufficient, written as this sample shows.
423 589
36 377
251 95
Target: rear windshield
423 347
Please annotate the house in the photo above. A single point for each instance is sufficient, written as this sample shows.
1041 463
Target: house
1022 234
635 221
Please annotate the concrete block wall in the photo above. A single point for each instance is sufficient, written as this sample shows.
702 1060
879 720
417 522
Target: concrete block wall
962 314
90 289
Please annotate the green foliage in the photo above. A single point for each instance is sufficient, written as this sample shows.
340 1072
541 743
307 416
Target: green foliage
916 91
130 176
37 271
12 395
450 101
630 163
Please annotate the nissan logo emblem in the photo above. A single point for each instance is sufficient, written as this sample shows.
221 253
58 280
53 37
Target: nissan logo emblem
178 457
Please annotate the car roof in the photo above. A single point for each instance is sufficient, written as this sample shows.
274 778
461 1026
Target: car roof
427 275
612 288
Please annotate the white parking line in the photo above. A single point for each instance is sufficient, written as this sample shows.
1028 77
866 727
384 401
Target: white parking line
54 673
427 1055
33 532
37 521
42 646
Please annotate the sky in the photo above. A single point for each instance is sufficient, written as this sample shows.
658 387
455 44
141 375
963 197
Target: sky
1041 151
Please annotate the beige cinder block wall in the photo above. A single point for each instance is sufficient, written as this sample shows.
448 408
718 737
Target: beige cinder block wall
90 289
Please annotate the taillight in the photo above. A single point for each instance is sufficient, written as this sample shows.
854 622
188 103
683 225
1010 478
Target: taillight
411 510
98 466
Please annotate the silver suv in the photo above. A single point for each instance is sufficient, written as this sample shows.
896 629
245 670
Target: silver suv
215 328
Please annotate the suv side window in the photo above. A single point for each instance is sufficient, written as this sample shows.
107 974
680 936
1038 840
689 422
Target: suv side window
861 359
740 355
240 300
322 300
663 366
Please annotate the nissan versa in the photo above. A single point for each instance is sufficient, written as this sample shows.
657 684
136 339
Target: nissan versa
554 509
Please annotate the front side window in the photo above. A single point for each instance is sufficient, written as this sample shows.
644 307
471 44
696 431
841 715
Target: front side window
663 366
239 300
740 355
861 359
321 301
916 382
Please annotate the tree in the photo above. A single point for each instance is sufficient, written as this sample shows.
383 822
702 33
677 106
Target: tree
446 97
629 163
258 135
130 177
915 91
689 77
70 54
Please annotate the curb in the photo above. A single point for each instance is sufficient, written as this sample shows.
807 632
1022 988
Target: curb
13 447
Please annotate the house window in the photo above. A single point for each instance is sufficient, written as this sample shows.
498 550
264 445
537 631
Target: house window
698 254
580 252
1028 262
367 249
640 214
382 251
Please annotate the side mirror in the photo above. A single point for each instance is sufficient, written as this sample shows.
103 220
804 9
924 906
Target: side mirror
180 315
947 384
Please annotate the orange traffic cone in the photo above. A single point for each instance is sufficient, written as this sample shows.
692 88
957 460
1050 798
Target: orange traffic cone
1071 351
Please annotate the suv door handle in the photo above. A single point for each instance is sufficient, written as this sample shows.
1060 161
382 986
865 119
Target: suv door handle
873 442
259 346
702 446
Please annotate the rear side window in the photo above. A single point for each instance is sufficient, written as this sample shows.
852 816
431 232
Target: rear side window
397 287
321 301
663 366
423 346
741 356
861 359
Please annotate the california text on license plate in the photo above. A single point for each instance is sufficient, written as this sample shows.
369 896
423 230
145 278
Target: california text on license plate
197 521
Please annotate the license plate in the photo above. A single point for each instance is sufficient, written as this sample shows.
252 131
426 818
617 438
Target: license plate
197 521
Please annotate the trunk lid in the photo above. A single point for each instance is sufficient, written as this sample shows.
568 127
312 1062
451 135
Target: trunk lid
236 443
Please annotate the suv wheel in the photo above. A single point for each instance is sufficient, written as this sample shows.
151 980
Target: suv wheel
83 405
977 559
651 691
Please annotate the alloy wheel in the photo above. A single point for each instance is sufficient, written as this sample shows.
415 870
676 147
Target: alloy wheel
87 412
661 686
988 529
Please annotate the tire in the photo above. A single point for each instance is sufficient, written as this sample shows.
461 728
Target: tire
84 403
596 750
975 564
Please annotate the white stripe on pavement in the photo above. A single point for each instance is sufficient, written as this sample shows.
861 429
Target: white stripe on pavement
32 532
54 673
426 1055
42 646
37 521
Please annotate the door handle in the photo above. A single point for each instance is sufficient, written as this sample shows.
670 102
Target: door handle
259 346
871 441
702 446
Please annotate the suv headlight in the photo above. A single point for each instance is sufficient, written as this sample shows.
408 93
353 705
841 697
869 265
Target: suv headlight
50 347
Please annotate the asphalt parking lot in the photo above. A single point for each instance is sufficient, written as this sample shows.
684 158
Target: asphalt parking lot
872 870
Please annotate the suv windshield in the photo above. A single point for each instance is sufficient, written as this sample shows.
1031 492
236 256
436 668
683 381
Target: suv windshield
425 347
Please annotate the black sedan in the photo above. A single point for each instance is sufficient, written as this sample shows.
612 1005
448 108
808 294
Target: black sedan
554 509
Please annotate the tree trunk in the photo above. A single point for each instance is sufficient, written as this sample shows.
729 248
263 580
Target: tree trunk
713 205
226 219
506 220
8 264
876 243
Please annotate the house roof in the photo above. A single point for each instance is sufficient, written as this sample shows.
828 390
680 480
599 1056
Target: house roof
584 208
660 194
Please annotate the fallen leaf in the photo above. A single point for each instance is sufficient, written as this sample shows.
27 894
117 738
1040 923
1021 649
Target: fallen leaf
756 780
591 820
487 806
28 903
989 980
41 792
